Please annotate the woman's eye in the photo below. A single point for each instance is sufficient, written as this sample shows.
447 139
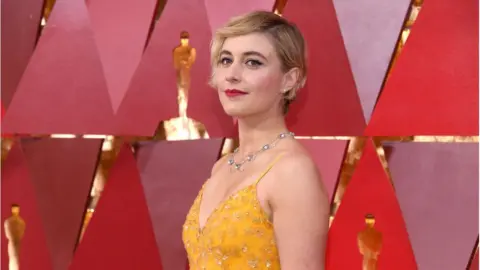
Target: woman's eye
224 61
254 63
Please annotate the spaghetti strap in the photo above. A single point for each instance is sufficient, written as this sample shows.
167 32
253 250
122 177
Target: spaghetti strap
270 166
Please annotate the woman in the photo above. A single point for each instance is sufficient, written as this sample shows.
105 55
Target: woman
264 206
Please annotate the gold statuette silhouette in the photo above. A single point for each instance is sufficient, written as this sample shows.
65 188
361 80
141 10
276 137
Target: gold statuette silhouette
370 244
14 230
182 127
183 58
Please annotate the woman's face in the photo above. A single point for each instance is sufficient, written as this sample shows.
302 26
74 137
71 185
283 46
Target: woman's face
248 76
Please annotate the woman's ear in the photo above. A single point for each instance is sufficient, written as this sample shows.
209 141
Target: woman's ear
290 79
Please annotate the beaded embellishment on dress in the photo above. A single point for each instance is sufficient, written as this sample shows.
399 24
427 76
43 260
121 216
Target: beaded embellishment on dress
236 236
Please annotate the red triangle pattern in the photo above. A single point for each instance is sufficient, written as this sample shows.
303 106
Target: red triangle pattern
433 87
370 30
120 234
64 80
120 51
369 192
153 87
329 104
17 189
62 173
165 179
19 32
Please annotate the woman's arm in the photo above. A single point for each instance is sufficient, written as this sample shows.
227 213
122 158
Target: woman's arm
301 211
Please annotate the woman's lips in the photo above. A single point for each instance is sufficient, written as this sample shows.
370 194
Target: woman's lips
234 92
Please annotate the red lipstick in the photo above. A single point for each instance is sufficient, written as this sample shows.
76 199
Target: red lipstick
234 92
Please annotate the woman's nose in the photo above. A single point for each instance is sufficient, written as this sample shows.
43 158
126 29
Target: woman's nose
233 74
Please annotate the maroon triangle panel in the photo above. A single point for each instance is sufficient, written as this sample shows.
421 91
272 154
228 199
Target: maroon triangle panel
328 105
121 32
172 174
64 80
120 234
220 12
20 24
17 189
474 263
369 192
152 95
328 155
62 172
433 87
437 187
370 31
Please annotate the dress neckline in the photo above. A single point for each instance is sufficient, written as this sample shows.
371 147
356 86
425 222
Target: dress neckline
201 228
220 205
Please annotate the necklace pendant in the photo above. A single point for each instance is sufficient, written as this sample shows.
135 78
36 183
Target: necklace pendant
236 168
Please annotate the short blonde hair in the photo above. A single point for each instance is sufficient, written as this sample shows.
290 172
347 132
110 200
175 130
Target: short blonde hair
284 35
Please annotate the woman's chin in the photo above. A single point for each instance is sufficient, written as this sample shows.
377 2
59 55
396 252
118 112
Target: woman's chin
236 112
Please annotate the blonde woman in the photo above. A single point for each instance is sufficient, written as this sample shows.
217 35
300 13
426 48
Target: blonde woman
264 206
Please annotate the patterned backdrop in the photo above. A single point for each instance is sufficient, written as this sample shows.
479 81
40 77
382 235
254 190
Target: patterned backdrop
90 132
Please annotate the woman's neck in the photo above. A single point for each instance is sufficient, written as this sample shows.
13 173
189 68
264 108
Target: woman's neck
255 132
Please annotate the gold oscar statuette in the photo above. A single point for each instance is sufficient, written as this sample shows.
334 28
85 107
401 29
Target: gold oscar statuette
370 243
14 230
184 57
182 127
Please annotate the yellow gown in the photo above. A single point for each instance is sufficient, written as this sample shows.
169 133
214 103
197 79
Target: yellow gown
236 236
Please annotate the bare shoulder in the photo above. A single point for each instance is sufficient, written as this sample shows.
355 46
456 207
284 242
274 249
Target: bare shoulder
301 211
297 175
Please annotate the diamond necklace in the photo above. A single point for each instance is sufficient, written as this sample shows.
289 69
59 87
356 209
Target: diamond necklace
251 157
